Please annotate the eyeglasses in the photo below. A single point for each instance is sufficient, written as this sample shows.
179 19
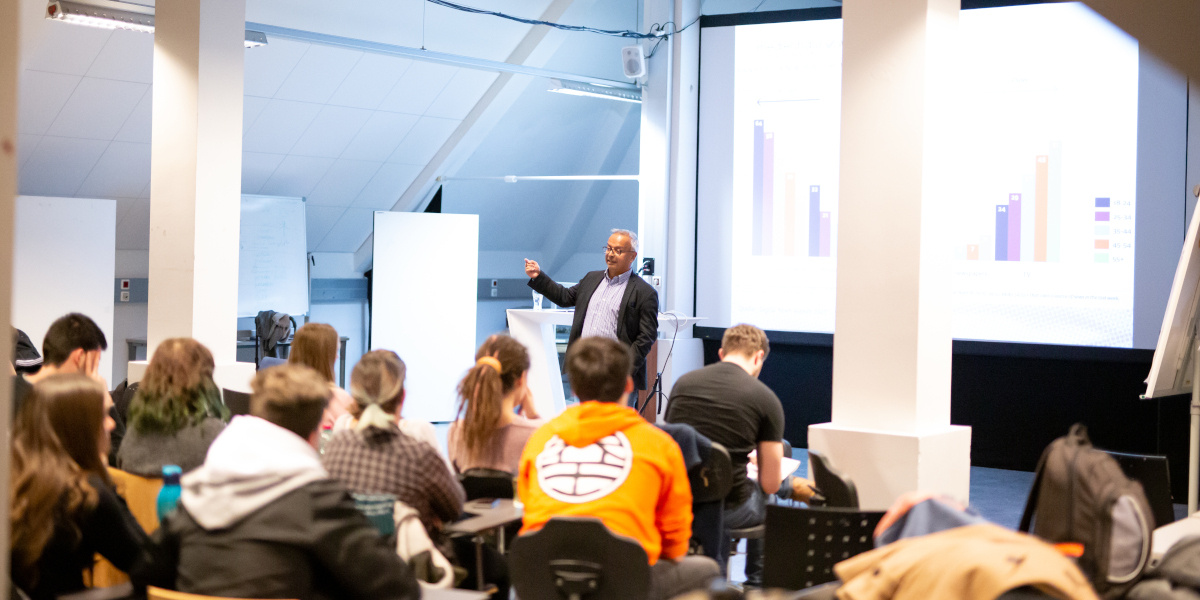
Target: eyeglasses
616 251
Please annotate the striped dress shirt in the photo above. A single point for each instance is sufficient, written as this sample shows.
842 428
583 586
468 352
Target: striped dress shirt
601 317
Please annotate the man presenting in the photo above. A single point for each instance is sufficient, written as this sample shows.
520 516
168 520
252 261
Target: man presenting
613 303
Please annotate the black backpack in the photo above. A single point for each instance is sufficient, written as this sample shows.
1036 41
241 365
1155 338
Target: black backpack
1081 496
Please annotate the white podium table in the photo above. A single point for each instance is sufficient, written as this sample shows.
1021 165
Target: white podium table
535 329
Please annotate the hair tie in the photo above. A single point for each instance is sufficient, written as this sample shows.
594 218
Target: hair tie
490 361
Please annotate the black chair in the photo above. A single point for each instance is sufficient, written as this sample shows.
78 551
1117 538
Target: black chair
577 558
835 488
1155 476
803 544
238 403
711 481
486 483
757 531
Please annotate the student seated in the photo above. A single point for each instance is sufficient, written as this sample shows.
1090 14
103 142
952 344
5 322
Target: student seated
726 403
315 346
375 457
64 509
72 344
176 413
488 432
383 367
262 519
636 482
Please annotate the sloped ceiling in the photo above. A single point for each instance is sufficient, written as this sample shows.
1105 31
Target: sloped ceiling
347 130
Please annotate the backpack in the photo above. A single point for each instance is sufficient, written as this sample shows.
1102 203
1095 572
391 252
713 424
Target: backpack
1086 505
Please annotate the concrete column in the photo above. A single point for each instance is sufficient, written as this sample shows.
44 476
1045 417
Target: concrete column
891 427
195 185
9 68
667 192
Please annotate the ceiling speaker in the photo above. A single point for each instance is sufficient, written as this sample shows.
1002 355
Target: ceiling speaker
633 62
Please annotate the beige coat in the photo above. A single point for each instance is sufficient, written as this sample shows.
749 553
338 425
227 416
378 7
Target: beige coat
978 561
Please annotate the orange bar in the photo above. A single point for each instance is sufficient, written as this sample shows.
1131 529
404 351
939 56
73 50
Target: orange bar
972 251
1102 244
789 214
1040 209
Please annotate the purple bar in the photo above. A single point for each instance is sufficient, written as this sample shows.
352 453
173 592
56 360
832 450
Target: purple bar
756 202
1101 216
824 234
1014 227
1001 232
1102 202
814 220
768 201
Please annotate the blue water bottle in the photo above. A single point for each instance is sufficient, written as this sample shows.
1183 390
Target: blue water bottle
168 496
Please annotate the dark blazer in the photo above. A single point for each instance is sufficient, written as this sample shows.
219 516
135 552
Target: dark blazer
637 319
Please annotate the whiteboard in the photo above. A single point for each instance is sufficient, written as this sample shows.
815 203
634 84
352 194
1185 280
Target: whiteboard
64 260
1174 357
272 256
424 290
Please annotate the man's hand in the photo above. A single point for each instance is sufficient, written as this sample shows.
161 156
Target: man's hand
531 268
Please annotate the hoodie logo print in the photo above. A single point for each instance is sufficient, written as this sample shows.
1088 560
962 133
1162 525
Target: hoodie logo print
578 475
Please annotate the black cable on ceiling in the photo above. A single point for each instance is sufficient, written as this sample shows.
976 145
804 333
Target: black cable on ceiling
656 30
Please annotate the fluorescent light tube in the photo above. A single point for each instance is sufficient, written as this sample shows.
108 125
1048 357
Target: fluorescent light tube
576 88
107 14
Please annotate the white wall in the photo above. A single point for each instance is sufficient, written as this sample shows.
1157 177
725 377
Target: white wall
350 319
64 261
129 318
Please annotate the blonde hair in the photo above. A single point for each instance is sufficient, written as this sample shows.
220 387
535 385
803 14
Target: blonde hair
378 378
745 340
315 346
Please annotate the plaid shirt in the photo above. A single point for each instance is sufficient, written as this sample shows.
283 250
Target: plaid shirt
385 461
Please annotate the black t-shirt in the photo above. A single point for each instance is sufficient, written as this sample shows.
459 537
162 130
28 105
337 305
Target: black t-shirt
728 406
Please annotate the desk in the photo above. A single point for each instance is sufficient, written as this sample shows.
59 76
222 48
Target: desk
486 518
535 329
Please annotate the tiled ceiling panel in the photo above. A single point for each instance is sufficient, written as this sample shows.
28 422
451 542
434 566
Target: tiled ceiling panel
266 71
370 81
418 88
380 136
59 165
319 220
63 48
256 169
127 56
332 130
122 172
349 231
386 186
42 96
296 176
318 74
423 141
280 126
343 182
97 109
461 93
137 126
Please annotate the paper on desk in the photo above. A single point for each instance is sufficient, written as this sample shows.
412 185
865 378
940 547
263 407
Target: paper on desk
787 467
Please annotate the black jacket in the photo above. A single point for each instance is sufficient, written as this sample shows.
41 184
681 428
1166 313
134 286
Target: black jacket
637 319
311 543
108 529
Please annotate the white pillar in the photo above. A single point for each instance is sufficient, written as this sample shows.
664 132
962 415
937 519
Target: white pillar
891 427
667 191
195 184
9 68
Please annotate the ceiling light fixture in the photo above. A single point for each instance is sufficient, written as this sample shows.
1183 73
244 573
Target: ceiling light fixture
577 88
107 14
104 14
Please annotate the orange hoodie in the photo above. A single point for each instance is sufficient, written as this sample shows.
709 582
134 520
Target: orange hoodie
603 460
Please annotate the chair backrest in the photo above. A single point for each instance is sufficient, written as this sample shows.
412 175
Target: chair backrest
836 487
238 403
577 558
140 494
801 545
712 479
379 510
153 593
787 449
1155 476
486 483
